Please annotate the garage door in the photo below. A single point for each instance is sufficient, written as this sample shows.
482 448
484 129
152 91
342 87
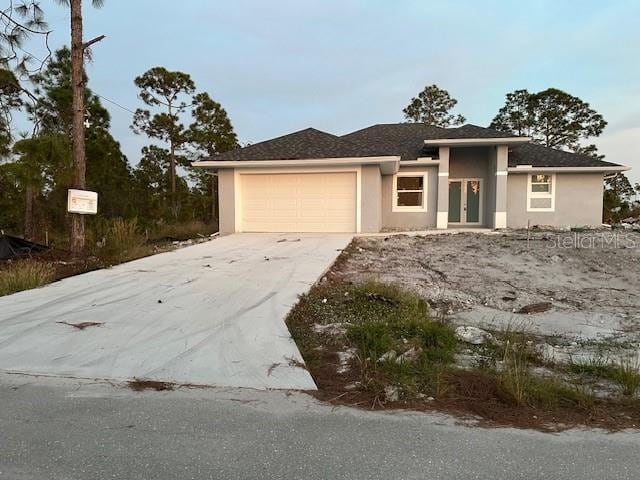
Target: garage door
301 202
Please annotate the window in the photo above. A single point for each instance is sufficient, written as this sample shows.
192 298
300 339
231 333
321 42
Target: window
541 193
410 192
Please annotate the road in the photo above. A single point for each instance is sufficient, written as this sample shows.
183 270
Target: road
70 429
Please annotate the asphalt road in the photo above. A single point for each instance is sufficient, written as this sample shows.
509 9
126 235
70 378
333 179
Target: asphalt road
61 429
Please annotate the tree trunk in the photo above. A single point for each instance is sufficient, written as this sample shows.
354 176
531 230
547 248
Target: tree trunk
172 160
28 212
172 167
77 86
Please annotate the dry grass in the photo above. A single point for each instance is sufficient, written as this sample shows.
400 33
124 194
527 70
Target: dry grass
24 275
121 240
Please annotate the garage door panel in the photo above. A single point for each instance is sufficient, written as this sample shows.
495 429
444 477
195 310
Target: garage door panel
305 202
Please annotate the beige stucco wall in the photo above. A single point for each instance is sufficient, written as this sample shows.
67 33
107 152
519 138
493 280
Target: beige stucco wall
226 197
371 201
410 220
578 201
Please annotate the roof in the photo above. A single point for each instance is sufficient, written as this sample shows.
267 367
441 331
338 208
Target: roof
541 156
398 139
304 144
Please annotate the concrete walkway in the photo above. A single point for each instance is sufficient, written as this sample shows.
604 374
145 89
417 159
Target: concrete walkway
211 314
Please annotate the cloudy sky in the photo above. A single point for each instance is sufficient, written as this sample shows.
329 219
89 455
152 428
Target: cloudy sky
339 65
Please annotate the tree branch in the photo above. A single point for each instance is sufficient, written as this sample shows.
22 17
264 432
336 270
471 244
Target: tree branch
86 45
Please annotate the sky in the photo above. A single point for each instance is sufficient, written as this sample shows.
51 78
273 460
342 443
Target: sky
279 66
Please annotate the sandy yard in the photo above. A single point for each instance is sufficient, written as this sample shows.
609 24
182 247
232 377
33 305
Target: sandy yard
591 279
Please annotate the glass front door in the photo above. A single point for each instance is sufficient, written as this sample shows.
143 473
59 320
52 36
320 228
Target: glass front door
465 201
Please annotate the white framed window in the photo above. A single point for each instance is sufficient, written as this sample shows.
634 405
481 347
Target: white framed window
410 192
541 192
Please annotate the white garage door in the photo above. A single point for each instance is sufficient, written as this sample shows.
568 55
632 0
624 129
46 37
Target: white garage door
300 202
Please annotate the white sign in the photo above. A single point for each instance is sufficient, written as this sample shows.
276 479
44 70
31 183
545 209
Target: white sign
82 201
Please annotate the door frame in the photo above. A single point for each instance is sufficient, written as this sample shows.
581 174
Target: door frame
463 201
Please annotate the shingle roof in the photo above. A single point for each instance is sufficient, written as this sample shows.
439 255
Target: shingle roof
541 156
403 139
472 131
304 144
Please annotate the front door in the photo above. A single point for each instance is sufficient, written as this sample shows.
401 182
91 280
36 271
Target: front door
465 201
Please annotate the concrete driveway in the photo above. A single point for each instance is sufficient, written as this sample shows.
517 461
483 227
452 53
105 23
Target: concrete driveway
210 314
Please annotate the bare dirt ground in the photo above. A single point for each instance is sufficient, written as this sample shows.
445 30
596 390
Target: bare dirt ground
591 279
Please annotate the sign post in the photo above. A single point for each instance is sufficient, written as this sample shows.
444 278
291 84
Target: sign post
83 202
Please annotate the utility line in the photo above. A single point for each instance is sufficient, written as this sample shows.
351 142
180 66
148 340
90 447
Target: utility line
43 62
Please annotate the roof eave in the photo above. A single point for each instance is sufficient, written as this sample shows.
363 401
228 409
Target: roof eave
472 142
388 164
603 168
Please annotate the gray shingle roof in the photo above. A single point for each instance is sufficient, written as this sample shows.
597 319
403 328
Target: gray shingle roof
541 156
304 144
403 139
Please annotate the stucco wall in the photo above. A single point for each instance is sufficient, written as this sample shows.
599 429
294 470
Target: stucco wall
410 220
490 187
371 220
226 197
578 201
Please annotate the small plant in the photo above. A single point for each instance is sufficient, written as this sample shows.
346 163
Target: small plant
624 372
596 367
24 275
627 375
121 241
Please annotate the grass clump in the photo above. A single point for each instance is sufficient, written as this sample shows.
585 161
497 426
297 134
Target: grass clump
24 275
627 376
396 339
518 385
120 240
625 372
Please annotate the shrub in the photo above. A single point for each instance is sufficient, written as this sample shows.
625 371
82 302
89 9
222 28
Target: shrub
122 241
24 275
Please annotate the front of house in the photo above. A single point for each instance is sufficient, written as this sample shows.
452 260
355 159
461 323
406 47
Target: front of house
407 176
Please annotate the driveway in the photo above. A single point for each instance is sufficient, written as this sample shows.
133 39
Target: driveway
210 314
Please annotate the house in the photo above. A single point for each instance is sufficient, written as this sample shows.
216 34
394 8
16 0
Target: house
405 176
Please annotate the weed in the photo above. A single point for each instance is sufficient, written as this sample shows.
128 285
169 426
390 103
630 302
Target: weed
24 275
596 367
379 318
625 372
121 241
627 376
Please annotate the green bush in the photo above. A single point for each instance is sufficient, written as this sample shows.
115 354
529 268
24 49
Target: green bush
24 275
